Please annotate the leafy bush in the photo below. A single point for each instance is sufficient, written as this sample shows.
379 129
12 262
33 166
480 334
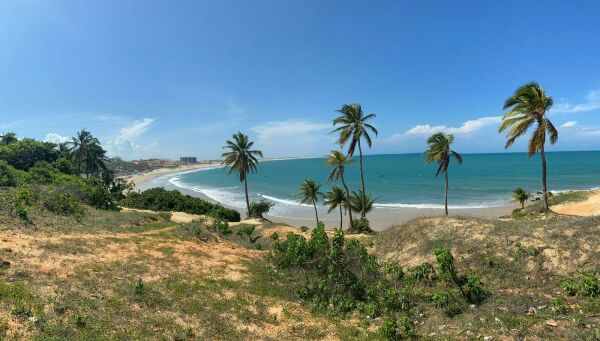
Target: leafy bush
361 225
474 292
97 195
41 173
257 209
589 285
25 153
63 203
220 226
159 199
569 286
23 199
423 272
8 177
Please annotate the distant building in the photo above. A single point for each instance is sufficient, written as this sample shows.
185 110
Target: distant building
188 159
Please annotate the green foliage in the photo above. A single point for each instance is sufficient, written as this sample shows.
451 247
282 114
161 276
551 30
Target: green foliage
22 311
389 329
139 287
159 199
63 203
423 272
8 177
569 286
304 229
41 173
440 300
25 153
97 195
469 286
558 305
521 196
257 209
220 226
394 270
360 225
23 199
356 202
589 285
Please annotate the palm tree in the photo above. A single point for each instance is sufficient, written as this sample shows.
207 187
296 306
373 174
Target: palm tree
339 161
353 127
334 199
241 159
357 200
87 153
520 195
528 106
440 152
309 191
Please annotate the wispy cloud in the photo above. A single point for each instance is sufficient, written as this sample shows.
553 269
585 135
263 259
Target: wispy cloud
592 103
569 124
288 128
467 127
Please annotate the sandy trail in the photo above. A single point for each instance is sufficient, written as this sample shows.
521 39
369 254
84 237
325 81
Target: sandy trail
589 207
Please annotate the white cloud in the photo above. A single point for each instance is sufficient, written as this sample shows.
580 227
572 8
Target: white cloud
592 103
125 145
468 127
293 138
55 138
569 124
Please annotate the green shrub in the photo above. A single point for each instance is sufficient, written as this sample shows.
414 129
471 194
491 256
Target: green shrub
361 225
8 176
394 270
569 286
440 300
138 287
422 273
558 305
159 199
258 209
220 226
97 195
474 292
304 229
41 173
389 329
589 285
23 199
62 203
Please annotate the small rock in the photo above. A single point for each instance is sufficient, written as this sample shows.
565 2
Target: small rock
542 307
470 333
497 319
442 327
487 338
472 306
552 323
33 319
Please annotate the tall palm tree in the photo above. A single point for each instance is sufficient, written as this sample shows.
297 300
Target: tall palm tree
528 106
440 152
339 161
87 154
241 159
336 198
520 195
360 202
310 193
352 127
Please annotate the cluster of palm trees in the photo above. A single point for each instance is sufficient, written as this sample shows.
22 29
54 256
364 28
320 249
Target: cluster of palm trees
528 106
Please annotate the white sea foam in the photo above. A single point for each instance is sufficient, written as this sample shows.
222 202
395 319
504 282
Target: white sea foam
283 201
439 206
222 195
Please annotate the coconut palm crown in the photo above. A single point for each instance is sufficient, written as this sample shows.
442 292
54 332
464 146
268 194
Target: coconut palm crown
353 127
336 198
310 193
520 195
339 161
529 106
241 159
439 151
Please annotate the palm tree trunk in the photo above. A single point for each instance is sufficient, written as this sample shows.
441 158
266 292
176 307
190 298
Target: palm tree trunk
247 199
316 213
362 180
347 200
341 219
544 188
446 192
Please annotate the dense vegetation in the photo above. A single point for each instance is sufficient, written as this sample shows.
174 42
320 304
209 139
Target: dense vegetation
159 199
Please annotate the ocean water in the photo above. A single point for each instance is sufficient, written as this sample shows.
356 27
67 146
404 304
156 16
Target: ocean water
404 181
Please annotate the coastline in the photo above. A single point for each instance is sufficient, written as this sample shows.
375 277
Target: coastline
381 218
145 177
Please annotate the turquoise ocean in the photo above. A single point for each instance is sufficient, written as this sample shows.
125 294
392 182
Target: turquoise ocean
403 180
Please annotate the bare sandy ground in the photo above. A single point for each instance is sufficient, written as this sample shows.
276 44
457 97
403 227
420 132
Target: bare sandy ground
147 176
589 207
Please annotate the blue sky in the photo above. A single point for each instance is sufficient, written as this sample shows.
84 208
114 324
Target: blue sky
171 78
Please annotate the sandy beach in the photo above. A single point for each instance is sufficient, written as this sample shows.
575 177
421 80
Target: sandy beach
588 207
144 177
